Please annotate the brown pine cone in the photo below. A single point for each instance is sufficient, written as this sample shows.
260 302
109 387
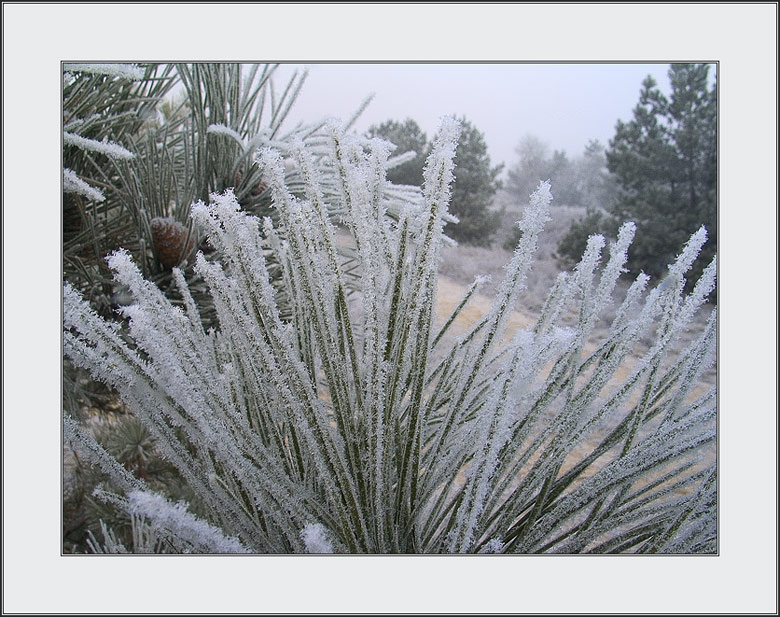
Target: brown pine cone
169 241
259 188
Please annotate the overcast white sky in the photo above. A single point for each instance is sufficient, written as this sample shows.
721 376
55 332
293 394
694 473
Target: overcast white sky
565 105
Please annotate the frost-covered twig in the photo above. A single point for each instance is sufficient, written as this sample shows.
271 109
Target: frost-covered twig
131 72
110 149
71 183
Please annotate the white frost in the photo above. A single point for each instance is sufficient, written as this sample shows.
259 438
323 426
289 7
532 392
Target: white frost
315 539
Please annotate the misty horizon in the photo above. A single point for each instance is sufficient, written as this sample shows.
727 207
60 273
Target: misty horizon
565 105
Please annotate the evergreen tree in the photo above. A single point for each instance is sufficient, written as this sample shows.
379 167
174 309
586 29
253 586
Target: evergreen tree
408 137
665 164
596 191
531 168
476 183
535 165
595 186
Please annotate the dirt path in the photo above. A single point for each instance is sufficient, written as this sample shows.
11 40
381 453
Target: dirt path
450 293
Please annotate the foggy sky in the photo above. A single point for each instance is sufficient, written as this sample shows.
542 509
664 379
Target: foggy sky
565 105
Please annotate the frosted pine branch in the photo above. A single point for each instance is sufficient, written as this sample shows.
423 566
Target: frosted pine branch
177 521
71 183
358 424
110 149
221 129
131 72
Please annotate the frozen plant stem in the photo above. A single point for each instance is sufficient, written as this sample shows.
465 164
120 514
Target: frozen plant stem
338 431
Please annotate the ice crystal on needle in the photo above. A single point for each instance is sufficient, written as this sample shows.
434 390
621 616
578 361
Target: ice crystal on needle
314 538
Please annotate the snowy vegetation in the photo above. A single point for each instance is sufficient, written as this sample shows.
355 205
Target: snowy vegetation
358 424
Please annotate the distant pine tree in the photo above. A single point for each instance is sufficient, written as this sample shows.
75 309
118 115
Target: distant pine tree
476 183
407 137
663 163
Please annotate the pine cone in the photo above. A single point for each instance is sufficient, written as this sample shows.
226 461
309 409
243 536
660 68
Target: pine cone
169 241
259 188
